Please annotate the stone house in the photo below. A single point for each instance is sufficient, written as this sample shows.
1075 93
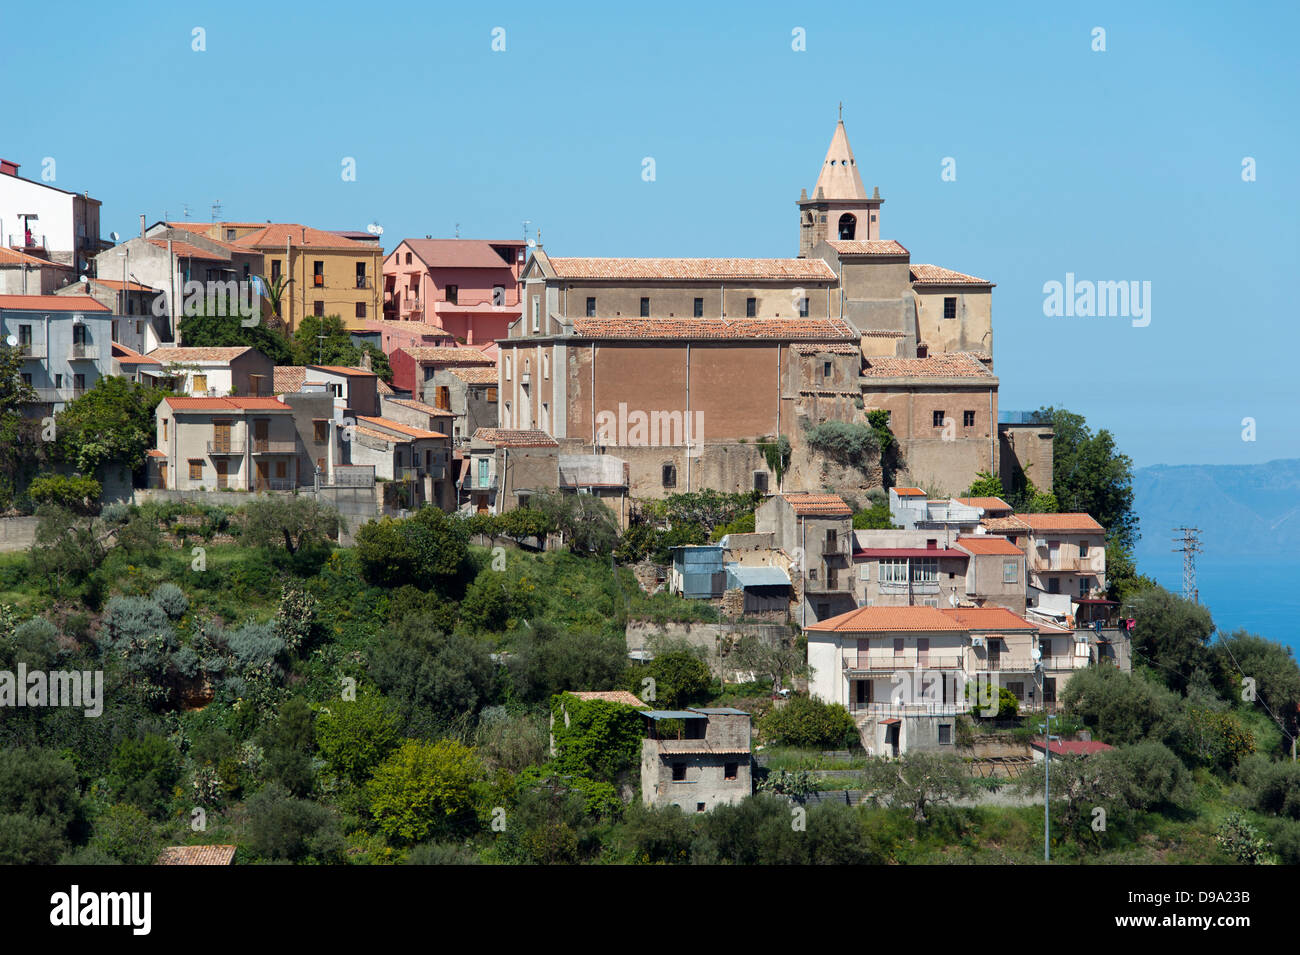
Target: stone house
705 763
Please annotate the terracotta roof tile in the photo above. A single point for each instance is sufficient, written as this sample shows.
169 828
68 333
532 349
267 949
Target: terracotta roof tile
198 353
987 503
454 254
52 303
288 378
448 356
1060 522
185 250
186 403
400 428
478 375
197 855
936 275
345 370
116 285
274 235
872 619
773 329
1005 525
830 348
421 407
710 270
988 618
384 388
818 505
909 492
14 257
508 438
950 365
868 247
989 544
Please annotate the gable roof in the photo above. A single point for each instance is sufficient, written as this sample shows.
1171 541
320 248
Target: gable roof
884 619
455 356
344 370
868 246
937 275
403 429
949 365
987 503
909 492
198 353
197 855
288 378
421 407
1060 522
771 329
456 253
509 438
14 257
52 303
476 374
988 618
680 269
274 235
186 403
989 544
817 505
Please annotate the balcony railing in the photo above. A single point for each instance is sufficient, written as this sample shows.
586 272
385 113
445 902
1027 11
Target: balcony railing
265 446
80 351
363 281
888 662
48 395
1002 664
30 349
1065 565
899 710
225 447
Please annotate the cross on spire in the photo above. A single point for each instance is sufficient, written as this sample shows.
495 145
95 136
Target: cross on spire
841 111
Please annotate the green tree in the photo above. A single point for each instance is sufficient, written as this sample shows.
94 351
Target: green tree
356 736
680 678
297 521
1171 633
144 772
284 828
1242 656
112 423
433 679
549 659
229 331
128 835
777 660
918 781
985 485
428 550
1123 708
76 493
595 738
1151 776
325 340
585 521
1090 475
810 724
425 789
19 434
289 744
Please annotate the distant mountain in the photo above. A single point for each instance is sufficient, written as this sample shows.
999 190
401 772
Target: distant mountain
1250 510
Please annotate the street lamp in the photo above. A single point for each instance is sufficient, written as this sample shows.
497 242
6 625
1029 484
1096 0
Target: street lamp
1047 763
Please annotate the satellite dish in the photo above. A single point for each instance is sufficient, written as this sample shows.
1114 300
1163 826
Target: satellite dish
375 229
1035 654
532 243
113 236
12 341
85 280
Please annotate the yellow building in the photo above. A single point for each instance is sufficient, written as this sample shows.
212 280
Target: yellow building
328 273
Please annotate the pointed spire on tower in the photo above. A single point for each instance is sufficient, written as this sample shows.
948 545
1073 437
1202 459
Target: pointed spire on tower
839 178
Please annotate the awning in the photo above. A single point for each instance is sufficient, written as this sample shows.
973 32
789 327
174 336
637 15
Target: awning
890 722
757 576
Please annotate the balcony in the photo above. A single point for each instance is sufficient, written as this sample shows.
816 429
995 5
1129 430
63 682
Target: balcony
363 281
1067 565
890 662
899 710
30 350
56 395
82 351
265 446
1003 664
225 447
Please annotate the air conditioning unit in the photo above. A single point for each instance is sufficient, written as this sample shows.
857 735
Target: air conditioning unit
977 641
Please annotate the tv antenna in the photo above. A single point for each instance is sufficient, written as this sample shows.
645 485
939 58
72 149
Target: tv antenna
216 209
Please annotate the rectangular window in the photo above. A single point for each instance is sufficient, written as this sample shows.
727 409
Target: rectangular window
537 313
831 539
670 475
318 274
361 309
546 366
645 306
751 308
275 271
699 308
361 275
1010 571
200 383
320 430
453 294
492 395
79 383
945 734
408 258
950 307
893 571
803 307
730 770
442 398
1083 549
1083 586
59 384
925 570
968 419
318 309
760 481
281 469
938 419
196 469
591 307
679 772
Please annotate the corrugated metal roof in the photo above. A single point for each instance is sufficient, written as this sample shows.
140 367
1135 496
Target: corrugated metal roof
757 576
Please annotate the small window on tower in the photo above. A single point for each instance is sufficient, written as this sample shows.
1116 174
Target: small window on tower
591 307
950 306
848 226
699 308
645 306
751 307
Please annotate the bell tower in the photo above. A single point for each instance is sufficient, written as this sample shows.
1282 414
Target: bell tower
840 208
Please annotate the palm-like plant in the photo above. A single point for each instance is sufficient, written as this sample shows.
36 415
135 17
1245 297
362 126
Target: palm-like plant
273 292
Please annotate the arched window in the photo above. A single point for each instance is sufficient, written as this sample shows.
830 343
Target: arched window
848 225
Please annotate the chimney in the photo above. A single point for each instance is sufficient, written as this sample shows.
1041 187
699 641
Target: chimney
142 225
8 167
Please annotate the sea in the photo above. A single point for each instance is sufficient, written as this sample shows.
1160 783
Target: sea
1256 594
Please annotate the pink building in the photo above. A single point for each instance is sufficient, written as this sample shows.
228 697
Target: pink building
467 287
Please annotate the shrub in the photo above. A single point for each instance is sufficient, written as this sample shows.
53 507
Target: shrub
75 492
846 443
424 789
282 827
171 599
809 724
144 772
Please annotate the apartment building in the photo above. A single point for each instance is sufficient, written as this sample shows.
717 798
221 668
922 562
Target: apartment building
468 393
46 222
65 341
415 366
504 467
24 274
467 287
240 443
908 568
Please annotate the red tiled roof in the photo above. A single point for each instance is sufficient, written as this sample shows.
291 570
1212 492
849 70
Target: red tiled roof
288 378
384 388
909 492
400 428
988 618
274 235
775 329
14 257
868 247
421 407
185 250
950 365
155 453
988 503
818 505
871 619
830 348
197 855
126 356
507 438
344 370
989 544
875 553
448 356
1060 522
52 303
1005 525
485 375
711 270
455 254
198 353
185 403
936 275
116 285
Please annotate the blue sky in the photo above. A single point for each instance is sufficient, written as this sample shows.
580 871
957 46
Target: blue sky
1122 165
